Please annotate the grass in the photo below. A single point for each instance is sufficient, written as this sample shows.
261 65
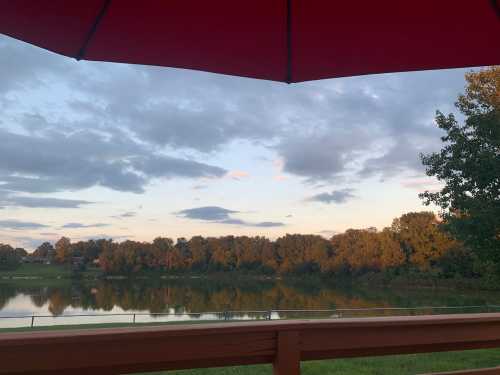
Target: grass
390 365
40 271
100 325
35 271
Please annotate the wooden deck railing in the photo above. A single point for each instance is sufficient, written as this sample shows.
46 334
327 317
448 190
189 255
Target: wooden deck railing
283 343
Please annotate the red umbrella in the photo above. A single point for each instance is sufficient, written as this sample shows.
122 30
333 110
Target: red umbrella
282 40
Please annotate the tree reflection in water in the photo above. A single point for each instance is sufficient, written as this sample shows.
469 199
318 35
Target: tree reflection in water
202 295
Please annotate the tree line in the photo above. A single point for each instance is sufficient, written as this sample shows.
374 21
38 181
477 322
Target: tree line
414 241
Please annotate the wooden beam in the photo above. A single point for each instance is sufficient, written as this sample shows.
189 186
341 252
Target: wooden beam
287 359
141 349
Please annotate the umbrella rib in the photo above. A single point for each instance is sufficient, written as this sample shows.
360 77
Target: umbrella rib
288 78
81 53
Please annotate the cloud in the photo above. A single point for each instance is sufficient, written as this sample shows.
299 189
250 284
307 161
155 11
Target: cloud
267 224
237 175
26 67
80 225
125 215
336 196
122 126
208 213
41 202
20 225
58 161
221 215
367 126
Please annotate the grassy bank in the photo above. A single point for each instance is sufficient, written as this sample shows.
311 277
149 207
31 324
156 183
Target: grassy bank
390 365
36 271
65 327
33 271
30 272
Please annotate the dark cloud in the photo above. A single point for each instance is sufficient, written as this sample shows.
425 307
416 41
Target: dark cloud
58 161
80 225
208 213
125 215
268 224
222 216
399 158
131 124
368 126
336 196
20 225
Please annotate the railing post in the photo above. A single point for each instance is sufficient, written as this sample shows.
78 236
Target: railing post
134 319
287 360
32 320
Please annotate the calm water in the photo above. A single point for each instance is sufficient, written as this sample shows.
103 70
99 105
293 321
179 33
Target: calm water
183 296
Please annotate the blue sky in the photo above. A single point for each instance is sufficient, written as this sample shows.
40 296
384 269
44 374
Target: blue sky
99 149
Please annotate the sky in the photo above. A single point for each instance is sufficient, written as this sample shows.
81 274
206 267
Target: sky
92 149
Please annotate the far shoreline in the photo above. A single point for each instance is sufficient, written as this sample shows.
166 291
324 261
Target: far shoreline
30 273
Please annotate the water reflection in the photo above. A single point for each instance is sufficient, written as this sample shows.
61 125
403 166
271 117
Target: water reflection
183 296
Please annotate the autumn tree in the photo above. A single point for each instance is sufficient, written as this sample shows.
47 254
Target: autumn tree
421 238
45 250
161 248
469 166
63 252
107 257
363 250
200 253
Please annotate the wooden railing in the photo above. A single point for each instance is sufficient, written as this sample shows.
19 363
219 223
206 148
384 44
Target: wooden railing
283 343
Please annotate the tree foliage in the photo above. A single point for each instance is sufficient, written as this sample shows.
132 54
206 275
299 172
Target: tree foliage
63 250
414 241
469 166
45 250
10 258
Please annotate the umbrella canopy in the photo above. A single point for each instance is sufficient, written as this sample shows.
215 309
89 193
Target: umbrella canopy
281 40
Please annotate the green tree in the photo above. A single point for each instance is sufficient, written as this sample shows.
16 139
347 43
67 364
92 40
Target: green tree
469 166
9 258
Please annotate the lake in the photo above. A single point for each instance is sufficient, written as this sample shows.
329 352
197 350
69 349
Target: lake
60 302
